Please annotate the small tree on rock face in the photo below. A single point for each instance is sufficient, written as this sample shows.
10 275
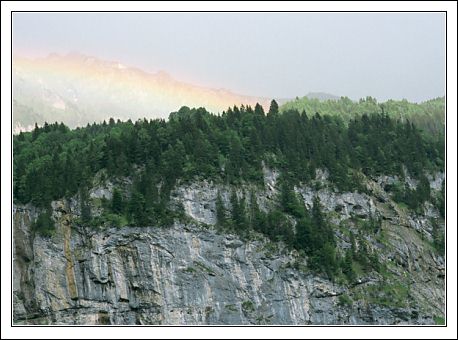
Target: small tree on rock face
304 234
137 209
239 219
441 200
221 214
86 214
289 200
323 230
117 205
257 217
438 238
347 266
423 190
328 259
44 224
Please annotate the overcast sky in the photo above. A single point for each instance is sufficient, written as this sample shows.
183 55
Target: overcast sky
275 55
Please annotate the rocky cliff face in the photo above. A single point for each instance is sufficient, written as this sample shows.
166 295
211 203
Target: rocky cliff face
191 273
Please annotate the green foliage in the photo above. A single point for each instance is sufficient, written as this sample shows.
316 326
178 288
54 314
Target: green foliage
358 259
137 209
179 211
439 320
117 204
278 227
52 162
438 238
190 270
231 308
239 215
85 207
221 214
440 200
257 217
204 268
373 225
108 219
429 115
289 201
315 236
389 294
44 225
248 306
344 300
413 198
347 266
273 110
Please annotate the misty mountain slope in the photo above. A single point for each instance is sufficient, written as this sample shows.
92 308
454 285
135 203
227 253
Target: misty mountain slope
77 89
428 116
322 96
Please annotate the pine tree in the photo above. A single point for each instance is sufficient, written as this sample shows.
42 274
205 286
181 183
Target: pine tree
137 209
85 208
423 191
44 224
441 200
347 266
289 201
257 217
258 110
273 110
438 238
221 214
239 219
35 132
117 204
328 259
322 229
304 234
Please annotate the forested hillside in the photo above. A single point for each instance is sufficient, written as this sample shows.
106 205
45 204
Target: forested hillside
428 116
336 195
53 162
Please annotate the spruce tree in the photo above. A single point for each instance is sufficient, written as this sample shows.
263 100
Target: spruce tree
239 219
221 214
85 208
117 205
273 110
347 266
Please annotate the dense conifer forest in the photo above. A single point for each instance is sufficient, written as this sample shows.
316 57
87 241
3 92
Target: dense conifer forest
54 162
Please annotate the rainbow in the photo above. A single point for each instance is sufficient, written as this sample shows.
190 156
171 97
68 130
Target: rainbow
115 86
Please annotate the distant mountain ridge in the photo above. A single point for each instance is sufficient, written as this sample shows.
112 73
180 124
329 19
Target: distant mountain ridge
78 89
322 96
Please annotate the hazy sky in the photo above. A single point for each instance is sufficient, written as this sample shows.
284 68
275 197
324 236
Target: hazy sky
276 55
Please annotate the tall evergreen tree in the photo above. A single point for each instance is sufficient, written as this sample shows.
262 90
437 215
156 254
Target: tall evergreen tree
117 204
85 207
221 214
273 110
137 209
257 217
239 219
258 110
